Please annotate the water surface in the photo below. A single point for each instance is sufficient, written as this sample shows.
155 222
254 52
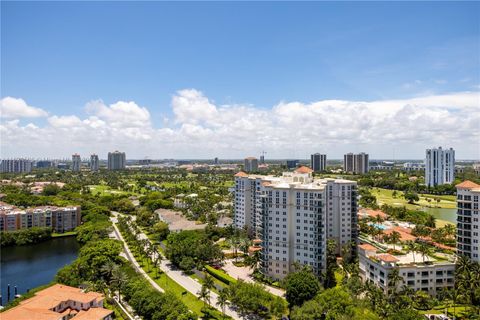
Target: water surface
31 266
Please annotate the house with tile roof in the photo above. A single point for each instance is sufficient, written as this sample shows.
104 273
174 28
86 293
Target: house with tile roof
60 302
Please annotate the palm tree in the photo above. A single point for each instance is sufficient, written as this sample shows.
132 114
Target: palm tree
119 279
412 247
245 244
222 300
107 270
424 249
430 222
394 238
234 242
450 230
394 279
204 294
208 281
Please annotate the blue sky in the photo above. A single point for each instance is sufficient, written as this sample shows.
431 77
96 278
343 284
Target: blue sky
58 56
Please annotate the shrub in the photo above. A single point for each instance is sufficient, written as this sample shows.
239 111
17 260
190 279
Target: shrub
220 275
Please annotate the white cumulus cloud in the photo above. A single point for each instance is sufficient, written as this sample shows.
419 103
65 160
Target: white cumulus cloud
200 128
18 108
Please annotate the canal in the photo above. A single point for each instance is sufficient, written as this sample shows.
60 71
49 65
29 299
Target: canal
31 266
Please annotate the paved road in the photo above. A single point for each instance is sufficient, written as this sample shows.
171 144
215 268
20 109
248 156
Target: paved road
178 276
245 273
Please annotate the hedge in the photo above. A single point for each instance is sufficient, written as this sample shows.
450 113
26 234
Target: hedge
220 275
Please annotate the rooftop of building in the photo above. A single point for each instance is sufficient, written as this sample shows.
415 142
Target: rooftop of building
8 209
295 180
467 184
39 306
303 169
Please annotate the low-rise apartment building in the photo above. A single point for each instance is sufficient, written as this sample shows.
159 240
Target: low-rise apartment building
60 302
430 276
60 219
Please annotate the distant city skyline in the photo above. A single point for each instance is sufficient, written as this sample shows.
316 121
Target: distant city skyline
196 81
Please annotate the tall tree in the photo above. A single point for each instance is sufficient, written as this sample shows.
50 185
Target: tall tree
301 285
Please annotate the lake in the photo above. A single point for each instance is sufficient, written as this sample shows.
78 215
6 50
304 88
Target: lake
449 215
31 266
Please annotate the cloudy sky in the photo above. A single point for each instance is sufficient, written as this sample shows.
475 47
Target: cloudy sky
199 80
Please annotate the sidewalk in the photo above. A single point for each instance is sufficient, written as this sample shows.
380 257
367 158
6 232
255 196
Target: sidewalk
132 258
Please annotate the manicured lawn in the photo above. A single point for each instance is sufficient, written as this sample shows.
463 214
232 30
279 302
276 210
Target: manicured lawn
119 315
166 283
65 234
105 190
459 309
385 196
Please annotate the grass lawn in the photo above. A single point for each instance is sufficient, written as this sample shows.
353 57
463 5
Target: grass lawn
385 196
459 309
166 283
441 223
119 315
65 234
103 190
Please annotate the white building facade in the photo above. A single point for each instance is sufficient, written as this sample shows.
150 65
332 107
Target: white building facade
294 215
431 277
468 215
439 166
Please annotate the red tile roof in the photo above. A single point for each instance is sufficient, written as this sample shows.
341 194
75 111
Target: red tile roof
304 169
373 213
386 257
367 247
467 184
241 174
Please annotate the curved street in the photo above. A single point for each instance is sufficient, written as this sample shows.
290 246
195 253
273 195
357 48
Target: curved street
178 276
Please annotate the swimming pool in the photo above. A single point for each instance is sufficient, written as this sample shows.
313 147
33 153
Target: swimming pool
378 226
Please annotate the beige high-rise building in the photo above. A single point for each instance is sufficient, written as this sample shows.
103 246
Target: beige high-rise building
251 164
116 160
294 215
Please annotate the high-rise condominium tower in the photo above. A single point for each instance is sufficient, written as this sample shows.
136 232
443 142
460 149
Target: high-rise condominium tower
116 160
439 166
294 215
76 162
94 163
251 164
468 224
356 163
15 165
318 162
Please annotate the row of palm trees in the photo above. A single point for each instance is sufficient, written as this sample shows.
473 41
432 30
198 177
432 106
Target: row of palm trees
142 246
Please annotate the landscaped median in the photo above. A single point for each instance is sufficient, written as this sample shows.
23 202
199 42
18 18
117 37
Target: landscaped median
220 275
169 285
